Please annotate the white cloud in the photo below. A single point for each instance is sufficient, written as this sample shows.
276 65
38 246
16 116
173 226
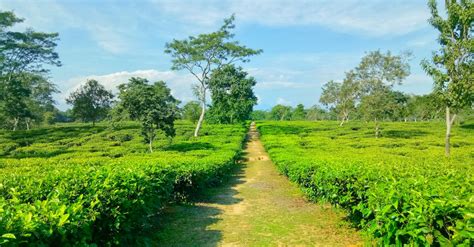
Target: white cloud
416 83
373 17
109 32
115 27
282 101
179 84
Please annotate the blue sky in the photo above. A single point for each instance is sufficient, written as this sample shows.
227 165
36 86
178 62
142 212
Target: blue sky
305 43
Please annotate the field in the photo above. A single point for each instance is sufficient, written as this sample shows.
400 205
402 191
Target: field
77 184
399 188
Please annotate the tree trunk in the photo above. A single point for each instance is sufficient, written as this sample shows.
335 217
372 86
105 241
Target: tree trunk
15 123
376 128
150 145
27 124
201 117
449 124
345 118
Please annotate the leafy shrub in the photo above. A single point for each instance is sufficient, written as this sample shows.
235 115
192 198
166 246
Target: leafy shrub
398 192
105 197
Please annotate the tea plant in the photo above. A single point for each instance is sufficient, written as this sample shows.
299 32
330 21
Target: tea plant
400 188
74 184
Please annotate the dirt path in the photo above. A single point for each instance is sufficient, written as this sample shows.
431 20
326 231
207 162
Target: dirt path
256 207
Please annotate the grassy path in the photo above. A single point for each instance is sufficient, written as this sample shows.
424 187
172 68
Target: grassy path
256 207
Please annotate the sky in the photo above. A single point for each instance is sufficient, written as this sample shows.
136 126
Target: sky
305 43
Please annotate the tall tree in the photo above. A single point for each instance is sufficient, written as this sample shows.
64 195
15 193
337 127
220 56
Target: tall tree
191 111
259 115
376 106
341 96
281 112
91 102
376 74
232 94
152 105
317 113
298 113
22 59
204 53
452 66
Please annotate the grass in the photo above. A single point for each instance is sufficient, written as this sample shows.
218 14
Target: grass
400 188
255 207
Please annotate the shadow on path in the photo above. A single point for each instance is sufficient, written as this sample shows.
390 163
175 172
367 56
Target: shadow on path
188 224
257 206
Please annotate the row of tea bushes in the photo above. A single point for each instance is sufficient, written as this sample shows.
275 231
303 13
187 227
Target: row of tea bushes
80 197
399 188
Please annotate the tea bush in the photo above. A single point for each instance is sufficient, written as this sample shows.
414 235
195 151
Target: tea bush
399 188
74 184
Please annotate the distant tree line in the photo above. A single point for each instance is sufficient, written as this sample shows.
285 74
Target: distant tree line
26 91
366 93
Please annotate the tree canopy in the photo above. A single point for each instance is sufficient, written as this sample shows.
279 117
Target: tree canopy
201 55
25 93
150 104
232 95
452 66
91 101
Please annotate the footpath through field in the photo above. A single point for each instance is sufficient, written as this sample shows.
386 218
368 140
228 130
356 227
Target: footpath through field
256 207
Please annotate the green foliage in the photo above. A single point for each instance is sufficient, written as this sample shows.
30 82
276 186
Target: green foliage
259 115
25 93
152 105
453 65
232 95
24 99
341 96
317 113
397 188
191 111
203 54
24 51
75 184
424 107
280 112
376 75
298 113
90 102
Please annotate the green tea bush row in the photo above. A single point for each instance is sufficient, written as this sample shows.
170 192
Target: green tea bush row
398 193
77 197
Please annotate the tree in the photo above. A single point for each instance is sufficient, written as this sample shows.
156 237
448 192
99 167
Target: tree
452 67
22 72
259 115
299 113
191 111
316 113
152 105
25 99
376 74
424 107
376 106
203 54
281 112
398 108
232 95
91 102
24 51
341 96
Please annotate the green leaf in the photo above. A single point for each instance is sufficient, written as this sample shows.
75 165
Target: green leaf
9 236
